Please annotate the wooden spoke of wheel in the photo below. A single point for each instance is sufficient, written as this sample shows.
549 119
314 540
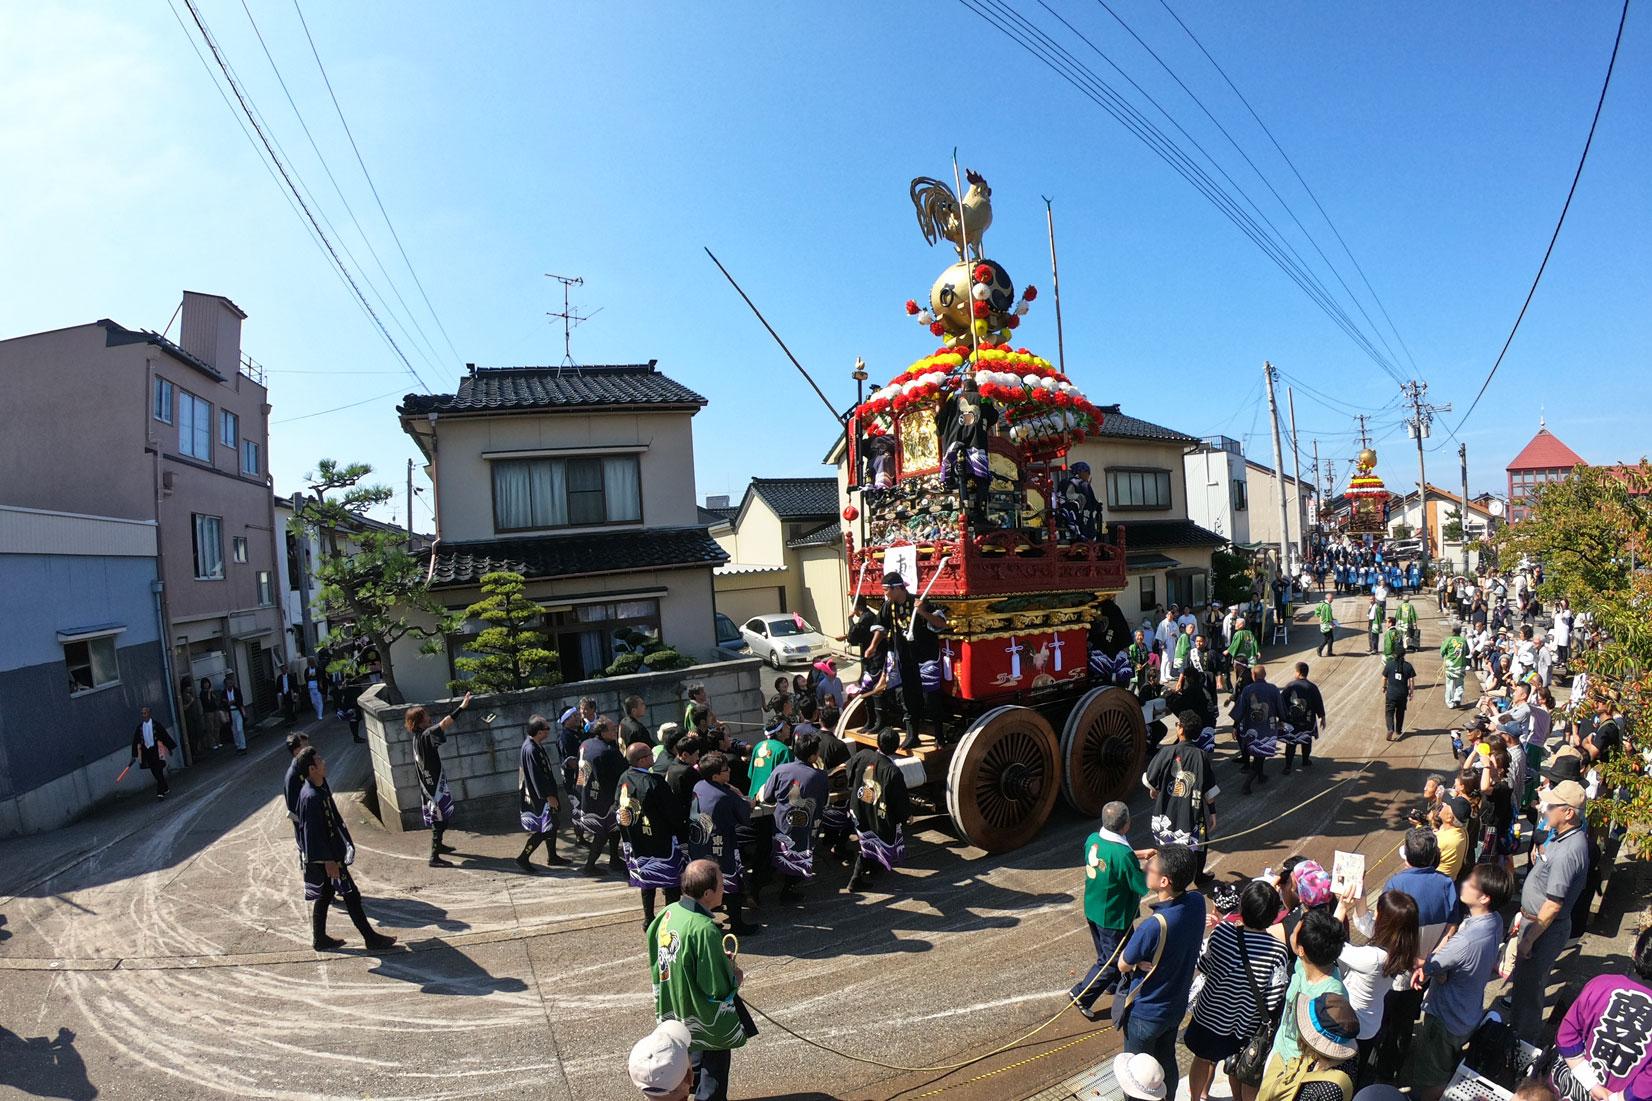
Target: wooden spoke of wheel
1101 748
1002 781
856 714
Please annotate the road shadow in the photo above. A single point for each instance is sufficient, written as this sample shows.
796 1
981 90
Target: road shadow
5 934
412 913
44 1066
439 968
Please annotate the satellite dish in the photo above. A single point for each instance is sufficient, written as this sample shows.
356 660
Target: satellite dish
1495 507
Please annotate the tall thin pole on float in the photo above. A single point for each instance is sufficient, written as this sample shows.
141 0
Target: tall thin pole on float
1055 280
963 254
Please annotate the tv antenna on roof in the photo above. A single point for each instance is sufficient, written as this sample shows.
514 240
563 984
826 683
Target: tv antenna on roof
571 319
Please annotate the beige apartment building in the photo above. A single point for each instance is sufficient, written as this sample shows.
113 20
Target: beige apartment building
108 421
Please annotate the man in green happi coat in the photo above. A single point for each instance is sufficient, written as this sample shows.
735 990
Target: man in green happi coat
696 981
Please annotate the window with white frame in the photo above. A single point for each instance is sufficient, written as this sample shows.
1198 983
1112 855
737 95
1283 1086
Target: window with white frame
1138 489
163 400
229 428
194 426
238 546
530 494
92 663
209 548
1241 498
249 457
1148 586
266 588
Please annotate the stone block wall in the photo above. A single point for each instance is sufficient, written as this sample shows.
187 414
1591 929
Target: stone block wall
480 757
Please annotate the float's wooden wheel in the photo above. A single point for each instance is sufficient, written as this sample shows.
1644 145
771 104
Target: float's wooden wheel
1101 748
1002 781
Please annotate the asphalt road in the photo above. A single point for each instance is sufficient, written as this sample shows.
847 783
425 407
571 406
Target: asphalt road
161 950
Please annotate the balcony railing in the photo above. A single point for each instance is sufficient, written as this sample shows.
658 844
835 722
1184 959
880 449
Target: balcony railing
252 369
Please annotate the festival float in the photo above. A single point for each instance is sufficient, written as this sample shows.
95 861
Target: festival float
1367 498
969 514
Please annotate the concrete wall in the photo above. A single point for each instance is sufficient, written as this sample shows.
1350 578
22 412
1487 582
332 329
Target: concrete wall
740 596
47 378
1209 475
825 588
464 479
480 759
1264 506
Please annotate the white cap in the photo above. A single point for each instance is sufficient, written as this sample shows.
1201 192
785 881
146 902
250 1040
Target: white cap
659 1061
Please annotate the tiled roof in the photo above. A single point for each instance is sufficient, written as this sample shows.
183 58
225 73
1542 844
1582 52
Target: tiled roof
711 517
115 334
488 389
1150 560
1156 534
1545 452
1123 426
798 498
576 555
825 535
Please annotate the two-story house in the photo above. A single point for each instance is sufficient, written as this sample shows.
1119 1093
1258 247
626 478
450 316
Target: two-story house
1238 497
108 421
1138 475
582 480
785 552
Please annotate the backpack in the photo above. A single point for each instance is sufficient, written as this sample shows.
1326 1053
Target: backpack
1494 1053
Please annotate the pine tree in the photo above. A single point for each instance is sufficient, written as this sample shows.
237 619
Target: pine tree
509 655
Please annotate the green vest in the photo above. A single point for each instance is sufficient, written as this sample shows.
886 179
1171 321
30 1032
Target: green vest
1184 646
1390 641
768 755
1453 651
1113 883
693 980
1325 614
1243 647
1407 615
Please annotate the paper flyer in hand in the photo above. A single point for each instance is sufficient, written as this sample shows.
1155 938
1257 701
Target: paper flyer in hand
1348 873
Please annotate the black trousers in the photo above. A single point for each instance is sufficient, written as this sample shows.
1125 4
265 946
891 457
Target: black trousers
1393 712
158 770
547 838
1290 753
1325 640
352 904
672 894
613 843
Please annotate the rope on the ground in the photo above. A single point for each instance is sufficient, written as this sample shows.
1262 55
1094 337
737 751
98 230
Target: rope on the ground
1293 810
1072 1000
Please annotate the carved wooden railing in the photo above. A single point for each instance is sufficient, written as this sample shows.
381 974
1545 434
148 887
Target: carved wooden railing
997 563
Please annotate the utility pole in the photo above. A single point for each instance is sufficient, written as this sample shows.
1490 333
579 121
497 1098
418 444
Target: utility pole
1268 374
409 504
1296 459
1422 415
1462 516
1319 502
301 555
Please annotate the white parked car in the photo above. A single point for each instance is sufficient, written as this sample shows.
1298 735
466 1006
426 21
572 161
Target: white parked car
783 639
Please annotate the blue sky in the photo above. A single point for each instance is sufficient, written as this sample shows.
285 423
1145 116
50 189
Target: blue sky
614 141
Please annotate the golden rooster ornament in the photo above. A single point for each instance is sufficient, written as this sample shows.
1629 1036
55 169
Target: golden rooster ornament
940 215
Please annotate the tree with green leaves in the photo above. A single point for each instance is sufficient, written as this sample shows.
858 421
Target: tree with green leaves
1453 529
372 586
1230 576
509 654
1592 533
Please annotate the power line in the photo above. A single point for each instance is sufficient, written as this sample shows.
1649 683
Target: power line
338 408
1060 61
370 185
1299 179
1275 244
1253 167
1555 236
428 351
246 108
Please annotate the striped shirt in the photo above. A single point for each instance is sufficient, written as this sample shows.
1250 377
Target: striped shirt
1226 1005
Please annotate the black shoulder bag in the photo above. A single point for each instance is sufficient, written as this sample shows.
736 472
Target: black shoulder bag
1250 1062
